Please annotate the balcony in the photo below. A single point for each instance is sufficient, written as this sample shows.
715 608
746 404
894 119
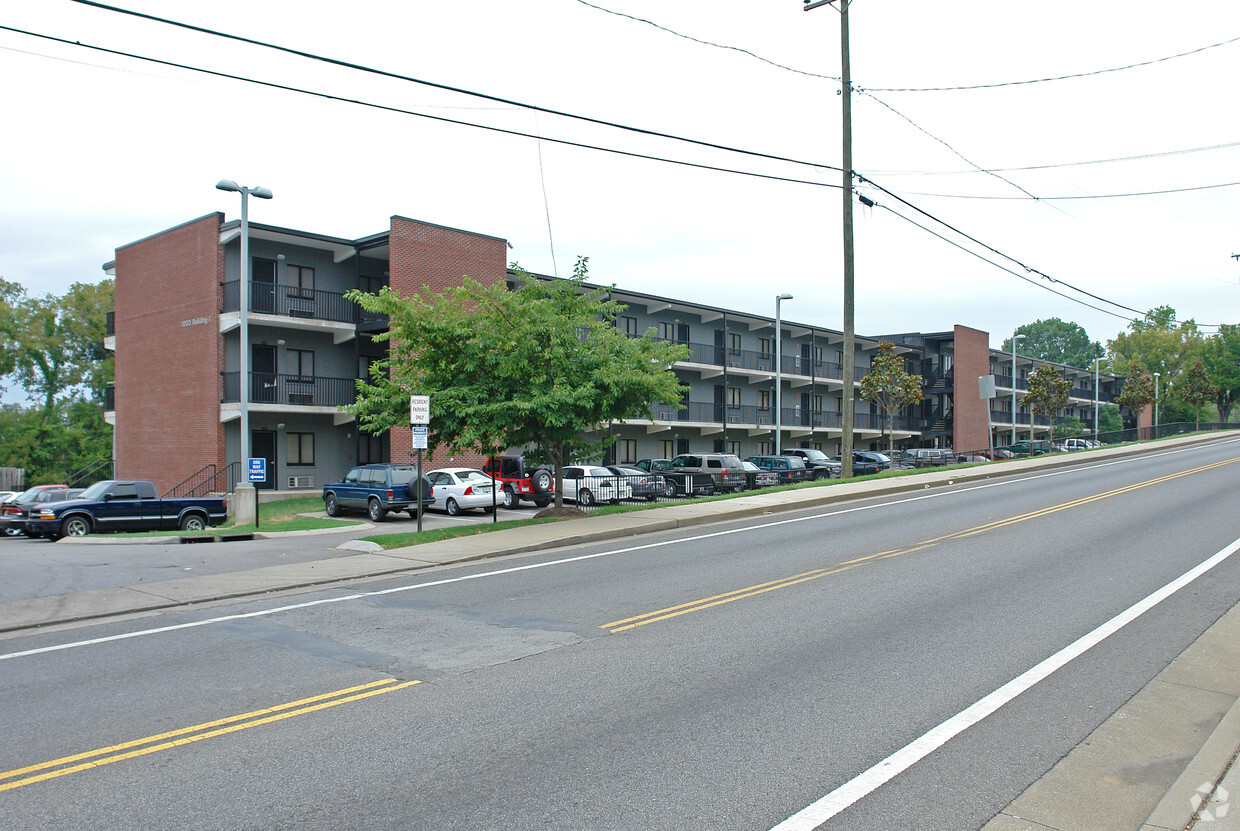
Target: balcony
754 361
755 417
280 391
294 302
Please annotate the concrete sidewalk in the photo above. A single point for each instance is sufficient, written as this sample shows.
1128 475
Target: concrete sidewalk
1166 753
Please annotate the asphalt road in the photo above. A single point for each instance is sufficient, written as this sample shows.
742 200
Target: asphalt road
725 677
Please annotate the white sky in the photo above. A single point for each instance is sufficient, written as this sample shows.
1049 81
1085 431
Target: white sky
102 150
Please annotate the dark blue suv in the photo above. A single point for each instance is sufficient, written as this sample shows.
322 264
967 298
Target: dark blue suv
378 489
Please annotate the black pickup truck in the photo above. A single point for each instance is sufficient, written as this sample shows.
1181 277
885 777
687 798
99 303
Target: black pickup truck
124 505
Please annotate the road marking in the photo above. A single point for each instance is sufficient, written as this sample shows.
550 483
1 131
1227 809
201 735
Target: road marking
796 579
870 780
187 735
570 560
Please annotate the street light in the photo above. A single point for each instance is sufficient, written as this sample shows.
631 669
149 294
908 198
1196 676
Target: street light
1014 339
1156 404
1096 428
244 349
778 361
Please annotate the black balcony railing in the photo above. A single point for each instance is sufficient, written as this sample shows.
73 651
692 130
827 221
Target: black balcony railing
291 301
292 390
109 399
754 360
109 324
753 415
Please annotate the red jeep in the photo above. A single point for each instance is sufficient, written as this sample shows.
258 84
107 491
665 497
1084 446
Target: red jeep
519 482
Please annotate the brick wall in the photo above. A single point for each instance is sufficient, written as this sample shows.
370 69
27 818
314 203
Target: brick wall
169 353
971 422
435 257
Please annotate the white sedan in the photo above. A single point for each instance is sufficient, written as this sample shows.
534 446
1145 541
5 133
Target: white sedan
462 488
587 484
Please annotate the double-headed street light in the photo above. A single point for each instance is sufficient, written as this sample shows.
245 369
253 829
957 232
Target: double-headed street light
244 313
1156 374
778 379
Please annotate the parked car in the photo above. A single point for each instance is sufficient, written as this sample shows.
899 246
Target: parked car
724 469
882 460
456 489
787 469
520 481
124 505
756 477
816 462
643 483
1024 447
929 456
1078 443
678 483
15 511
377 489
861 466
588 484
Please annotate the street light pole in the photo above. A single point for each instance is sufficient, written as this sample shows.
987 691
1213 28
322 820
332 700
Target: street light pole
1156 374
1096 428
778 368
243 352
848 373
1015 338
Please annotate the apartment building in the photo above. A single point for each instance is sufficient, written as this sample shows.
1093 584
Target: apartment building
176 333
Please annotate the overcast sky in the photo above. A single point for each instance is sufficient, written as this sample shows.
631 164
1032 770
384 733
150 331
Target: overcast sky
101 150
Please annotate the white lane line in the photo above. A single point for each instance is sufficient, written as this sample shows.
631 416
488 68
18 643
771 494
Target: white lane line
563 561
854 790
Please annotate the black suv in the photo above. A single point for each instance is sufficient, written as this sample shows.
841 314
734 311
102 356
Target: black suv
816 462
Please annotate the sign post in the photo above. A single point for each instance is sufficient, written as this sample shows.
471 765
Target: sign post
419 418
986 389
256 471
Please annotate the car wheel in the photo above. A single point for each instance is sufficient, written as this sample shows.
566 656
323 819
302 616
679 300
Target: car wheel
669 489
650 497
511 500
451 507
75 526
584 497
12 532
375 511
541 480
331 505
488 510
193 522
543 502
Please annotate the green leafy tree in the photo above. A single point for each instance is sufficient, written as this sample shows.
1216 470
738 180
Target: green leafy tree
1057 341
1109 419
1069 426
1047 392
889 386
1137 394
539 365
1156 343
1221 356
1196 389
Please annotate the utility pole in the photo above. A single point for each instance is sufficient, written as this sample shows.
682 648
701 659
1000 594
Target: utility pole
848 364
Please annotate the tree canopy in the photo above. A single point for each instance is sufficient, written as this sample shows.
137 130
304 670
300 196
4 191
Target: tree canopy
1156 343
1057 341
1137 394
540 366
888 385
1047 392
1221 355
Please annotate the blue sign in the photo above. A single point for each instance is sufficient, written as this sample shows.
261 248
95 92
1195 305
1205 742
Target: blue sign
256 470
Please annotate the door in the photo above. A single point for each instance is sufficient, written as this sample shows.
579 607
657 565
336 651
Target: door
262 285
263 445
263 373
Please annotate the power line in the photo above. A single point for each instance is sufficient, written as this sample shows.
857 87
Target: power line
1079 197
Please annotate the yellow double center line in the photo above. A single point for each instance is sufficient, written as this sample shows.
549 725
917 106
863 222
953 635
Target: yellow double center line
762 588
186 735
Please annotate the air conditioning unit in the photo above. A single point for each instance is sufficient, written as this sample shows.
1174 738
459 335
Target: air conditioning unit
734 419
300 482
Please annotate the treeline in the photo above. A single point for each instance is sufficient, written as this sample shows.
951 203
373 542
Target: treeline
52 357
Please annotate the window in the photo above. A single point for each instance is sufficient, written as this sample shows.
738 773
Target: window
299 449
300 277
628 325
764 399
370 285
766 448
766 346
301 362
734 396
667 331
817 400
627 451
667 448
734 447
125 490
734 342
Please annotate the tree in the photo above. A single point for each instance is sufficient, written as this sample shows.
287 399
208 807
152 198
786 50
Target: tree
1221 356
1137 394
1156 343
1047 392
539 365
888 385
1196 389
1057 341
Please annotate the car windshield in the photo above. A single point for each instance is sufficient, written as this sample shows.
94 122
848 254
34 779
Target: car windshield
815 455
96 491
